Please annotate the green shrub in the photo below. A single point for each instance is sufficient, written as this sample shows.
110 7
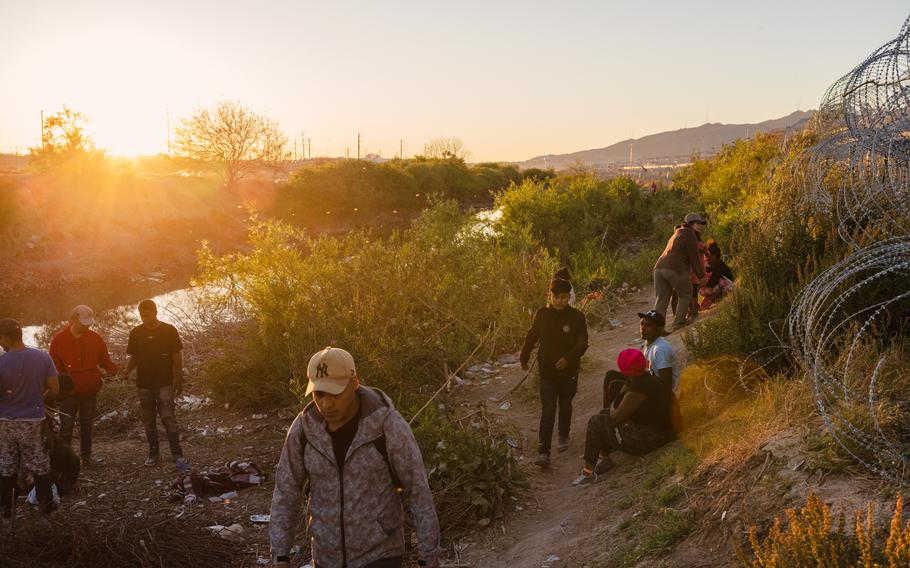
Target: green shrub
598 228
472 475
404 305
361 193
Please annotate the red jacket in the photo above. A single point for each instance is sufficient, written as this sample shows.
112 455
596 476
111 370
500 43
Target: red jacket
81 358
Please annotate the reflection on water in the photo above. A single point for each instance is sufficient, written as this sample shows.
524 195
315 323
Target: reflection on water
177 307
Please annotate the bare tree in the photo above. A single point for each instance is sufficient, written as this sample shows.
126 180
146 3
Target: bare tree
232 138
446 148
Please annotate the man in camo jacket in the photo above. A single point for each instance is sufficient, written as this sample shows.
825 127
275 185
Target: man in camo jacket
351 454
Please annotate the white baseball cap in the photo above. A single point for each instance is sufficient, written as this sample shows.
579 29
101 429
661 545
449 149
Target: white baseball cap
84 314
330 370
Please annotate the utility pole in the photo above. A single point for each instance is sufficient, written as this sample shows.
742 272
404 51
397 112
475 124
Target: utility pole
309 145
401 149
167 113
42 129
359 138
295 149
302 144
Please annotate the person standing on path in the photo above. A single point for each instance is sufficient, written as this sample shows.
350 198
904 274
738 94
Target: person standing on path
349 456
25 375
562 333
156 353
672 269
81 353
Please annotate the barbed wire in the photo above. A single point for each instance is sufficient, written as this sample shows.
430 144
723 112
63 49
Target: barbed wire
844 326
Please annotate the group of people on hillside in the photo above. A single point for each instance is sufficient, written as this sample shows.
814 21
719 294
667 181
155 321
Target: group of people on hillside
641 409
349 457
66 380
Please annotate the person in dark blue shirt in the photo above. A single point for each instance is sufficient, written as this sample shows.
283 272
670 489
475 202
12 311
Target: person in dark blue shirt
26 376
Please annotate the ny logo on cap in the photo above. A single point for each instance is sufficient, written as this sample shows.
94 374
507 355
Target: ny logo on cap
322 370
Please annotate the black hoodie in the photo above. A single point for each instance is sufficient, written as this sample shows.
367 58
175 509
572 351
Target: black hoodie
561 333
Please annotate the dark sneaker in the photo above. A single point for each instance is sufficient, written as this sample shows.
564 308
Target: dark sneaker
563 444
151 460
604 465
542 460
583 479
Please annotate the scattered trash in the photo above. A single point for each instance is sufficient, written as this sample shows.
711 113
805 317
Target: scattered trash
723 516
483 522
614 323
193 402
505 405
551 559
485 382
260 519
510 365
507 359
114 414
512 442
233 532
441 445
229 495
260 416
138 514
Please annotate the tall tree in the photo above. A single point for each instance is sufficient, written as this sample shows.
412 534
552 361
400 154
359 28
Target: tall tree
233 139
64 142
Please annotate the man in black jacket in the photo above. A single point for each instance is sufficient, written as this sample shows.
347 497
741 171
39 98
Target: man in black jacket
562 333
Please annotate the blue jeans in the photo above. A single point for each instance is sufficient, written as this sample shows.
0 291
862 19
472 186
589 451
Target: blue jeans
160 402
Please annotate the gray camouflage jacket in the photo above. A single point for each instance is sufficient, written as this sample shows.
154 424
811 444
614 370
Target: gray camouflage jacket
355 513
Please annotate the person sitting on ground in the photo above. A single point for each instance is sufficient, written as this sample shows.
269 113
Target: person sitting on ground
81 353
562 333
720 277
635 418
27 377
348 459
156 353
657 351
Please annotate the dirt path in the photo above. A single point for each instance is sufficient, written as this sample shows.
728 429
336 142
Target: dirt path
559 520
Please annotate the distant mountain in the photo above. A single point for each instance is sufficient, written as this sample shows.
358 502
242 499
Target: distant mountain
673 146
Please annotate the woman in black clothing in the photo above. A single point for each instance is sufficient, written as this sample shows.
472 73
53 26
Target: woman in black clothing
720 277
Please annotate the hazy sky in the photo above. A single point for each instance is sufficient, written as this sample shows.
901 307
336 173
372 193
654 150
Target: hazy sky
512 79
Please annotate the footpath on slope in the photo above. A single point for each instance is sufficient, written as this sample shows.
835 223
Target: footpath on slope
560 520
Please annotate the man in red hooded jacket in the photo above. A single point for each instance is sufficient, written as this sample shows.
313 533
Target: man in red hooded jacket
81 353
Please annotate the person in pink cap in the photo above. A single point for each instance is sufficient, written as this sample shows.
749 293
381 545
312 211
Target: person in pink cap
635 418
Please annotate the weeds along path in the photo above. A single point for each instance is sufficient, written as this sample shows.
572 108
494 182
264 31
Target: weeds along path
557 519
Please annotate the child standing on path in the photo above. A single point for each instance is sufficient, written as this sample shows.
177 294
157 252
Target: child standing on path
562 333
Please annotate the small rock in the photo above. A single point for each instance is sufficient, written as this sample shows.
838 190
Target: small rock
483 522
